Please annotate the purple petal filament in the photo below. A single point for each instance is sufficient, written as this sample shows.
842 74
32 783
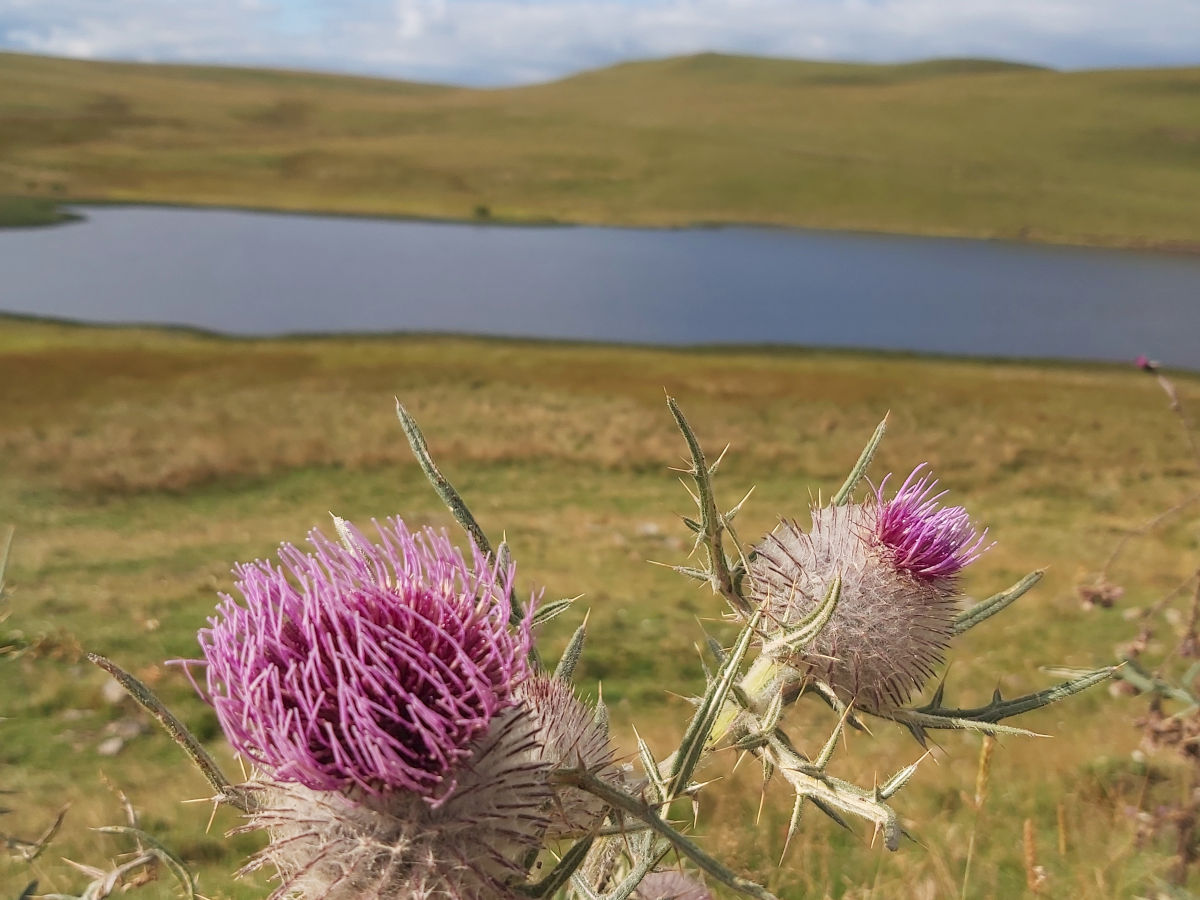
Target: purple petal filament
365 666
926 538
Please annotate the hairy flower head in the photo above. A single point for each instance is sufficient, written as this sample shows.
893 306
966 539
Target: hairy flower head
569 737
898 560
366 668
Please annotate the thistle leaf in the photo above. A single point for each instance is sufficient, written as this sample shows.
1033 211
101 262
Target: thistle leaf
712 525
443 487
897 781
793 825
829 811
986 719
737 507
173 863
996 603
650 766
600 716
696 738
646 864
146 698
715 648
620 800
860 468
831 795
822 761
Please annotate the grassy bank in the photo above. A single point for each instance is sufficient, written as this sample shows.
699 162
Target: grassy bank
954 147
29 212
139 465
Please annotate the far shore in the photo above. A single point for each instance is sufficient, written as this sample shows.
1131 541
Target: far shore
949 148
25 212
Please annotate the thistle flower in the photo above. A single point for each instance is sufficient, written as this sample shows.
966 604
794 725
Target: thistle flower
373 688
898 560
365 667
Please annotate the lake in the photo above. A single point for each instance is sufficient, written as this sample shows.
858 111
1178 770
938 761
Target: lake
248 273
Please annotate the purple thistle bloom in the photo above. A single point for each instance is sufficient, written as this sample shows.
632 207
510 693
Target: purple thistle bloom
365 667
926 538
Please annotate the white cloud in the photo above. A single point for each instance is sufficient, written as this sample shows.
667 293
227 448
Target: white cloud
513 41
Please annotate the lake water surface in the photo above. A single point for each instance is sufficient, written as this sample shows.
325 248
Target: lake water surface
258 274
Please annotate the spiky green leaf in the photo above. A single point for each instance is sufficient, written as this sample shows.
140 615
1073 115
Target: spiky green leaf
860 468
985 609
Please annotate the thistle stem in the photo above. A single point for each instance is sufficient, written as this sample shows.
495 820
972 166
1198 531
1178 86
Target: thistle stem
618 799
756 686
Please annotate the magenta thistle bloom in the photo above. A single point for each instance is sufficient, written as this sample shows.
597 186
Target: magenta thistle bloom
926 538
364 667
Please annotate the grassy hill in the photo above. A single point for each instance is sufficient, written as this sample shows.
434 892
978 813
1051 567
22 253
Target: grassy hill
138 465
963 147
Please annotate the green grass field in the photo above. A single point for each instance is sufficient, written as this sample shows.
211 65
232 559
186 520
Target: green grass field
952 147
138 465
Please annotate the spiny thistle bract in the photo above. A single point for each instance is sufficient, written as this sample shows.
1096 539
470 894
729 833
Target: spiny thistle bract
897 560
569 736
472 846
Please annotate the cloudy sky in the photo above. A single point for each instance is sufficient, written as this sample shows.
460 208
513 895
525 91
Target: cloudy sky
498 42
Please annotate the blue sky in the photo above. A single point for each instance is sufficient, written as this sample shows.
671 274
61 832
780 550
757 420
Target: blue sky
501 42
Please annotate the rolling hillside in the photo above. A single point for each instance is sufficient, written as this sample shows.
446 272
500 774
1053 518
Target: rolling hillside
963 147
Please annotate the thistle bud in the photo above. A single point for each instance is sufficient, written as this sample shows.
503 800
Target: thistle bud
898 560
